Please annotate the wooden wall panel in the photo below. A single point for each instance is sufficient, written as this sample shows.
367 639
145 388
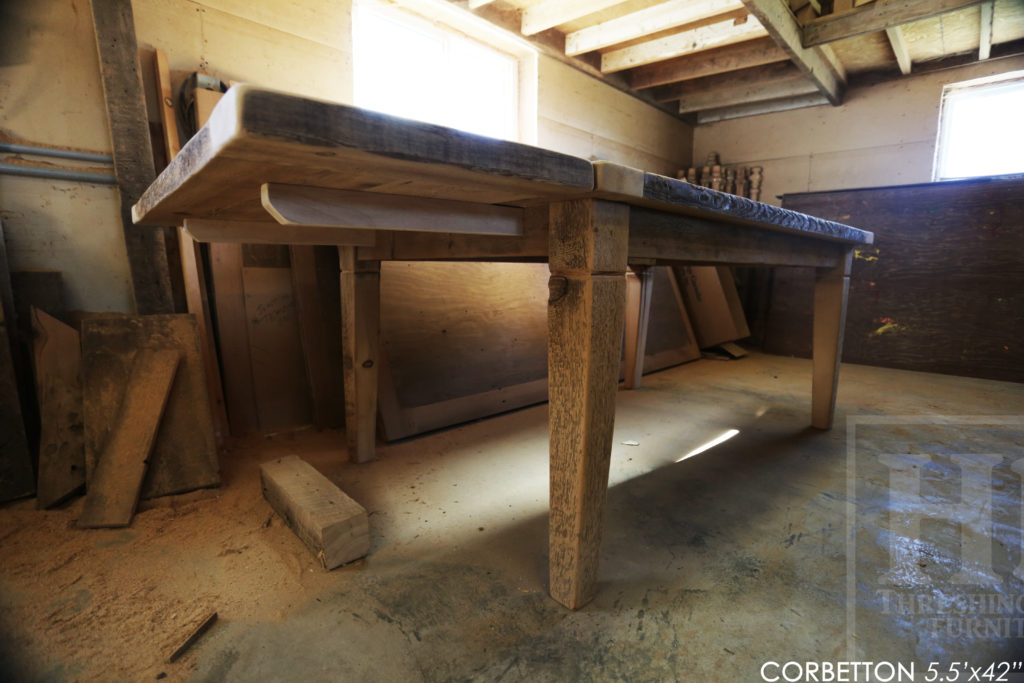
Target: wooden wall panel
939 291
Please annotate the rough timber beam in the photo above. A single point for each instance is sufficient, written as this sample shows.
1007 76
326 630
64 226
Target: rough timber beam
819 64
877 16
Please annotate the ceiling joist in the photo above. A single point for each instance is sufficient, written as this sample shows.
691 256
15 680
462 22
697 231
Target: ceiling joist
729 58
717 99
985 39
556 12
899 49
728 81
769 107
722 33
667 15
819 64
877 16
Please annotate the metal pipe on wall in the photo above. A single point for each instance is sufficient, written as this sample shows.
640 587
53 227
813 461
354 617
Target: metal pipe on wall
55 152
57 174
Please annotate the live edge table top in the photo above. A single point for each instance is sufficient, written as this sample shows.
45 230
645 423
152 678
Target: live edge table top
258 138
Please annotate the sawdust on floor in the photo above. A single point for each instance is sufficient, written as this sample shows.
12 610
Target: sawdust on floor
87 600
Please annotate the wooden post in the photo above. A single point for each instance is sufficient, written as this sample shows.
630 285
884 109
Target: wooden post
830 293
639 288
588 244
133 151
360 342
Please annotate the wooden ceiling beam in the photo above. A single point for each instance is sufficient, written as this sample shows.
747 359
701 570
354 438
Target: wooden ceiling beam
985 39
819 64
683 43
899 48
877 16
728 81
720 60
760 92
756 108
662 17
551 13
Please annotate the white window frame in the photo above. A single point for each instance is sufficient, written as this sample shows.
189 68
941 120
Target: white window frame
953 92
447 17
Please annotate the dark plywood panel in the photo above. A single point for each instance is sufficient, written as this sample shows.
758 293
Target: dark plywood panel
185 455
16 474
939 291
16 477
57 358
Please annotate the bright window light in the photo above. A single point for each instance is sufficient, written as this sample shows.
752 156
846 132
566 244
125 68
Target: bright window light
411 67
980 131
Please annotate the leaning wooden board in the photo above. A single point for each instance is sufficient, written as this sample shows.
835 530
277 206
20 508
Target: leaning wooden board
119 471
184 457
58 366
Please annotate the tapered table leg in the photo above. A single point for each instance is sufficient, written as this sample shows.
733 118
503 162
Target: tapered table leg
588 241
831 287
360 333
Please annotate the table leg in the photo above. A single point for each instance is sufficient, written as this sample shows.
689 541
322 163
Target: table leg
360 341
639 287
588 241
830 293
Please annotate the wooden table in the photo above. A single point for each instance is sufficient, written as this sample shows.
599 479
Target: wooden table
270 167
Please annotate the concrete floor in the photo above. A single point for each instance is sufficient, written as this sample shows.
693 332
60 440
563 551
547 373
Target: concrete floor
771 546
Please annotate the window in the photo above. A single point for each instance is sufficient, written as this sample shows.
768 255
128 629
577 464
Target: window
417 68
980 131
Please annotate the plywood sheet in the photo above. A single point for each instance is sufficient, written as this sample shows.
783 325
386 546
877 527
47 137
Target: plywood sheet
279 379
185 455
670 338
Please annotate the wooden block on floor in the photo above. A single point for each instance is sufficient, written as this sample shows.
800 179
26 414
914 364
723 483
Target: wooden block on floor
331 524
117 480
58 363
184 457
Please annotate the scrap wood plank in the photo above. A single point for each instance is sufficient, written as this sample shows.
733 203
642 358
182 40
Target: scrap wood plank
16 476
117 481
332 525
58 362
192 266
185 455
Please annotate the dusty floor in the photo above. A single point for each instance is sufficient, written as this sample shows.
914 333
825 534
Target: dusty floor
711 566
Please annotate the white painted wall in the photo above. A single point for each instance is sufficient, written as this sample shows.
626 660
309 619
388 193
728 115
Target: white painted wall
882 135
50 93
